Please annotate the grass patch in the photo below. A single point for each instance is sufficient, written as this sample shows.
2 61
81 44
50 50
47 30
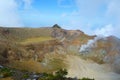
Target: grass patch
55 61
50 63
35 40
29 65
8 78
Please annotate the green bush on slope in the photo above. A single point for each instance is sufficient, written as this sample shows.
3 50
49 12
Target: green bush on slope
60 75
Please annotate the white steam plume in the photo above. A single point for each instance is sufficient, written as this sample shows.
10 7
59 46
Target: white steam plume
90 44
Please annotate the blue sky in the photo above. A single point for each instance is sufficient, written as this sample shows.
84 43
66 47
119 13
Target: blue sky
101 17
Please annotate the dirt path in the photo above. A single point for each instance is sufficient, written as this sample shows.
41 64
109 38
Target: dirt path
82 68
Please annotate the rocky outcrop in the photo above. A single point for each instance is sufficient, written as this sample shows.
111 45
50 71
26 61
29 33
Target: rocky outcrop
66 34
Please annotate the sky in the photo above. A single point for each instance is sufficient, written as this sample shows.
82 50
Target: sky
100 17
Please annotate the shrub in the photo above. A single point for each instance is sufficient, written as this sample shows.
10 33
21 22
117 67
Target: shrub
61 74
86 79
6 72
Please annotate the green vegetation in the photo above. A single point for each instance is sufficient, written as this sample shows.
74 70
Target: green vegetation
86 79
60 75
14 74
6 72
25 76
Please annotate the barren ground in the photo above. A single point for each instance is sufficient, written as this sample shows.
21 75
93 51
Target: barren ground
84 68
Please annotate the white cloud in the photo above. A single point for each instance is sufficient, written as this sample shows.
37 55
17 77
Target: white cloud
65 3
64 15
89 7
98 13
113 10
9 16
106 31
27 4
113 7
113 13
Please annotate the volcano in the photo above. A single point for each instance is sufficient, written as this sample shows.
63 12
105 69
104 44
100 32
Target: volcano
47 49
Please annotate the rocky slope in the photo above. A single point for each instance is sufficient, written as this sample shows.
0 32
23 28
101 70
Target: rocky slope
23 43
40 45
